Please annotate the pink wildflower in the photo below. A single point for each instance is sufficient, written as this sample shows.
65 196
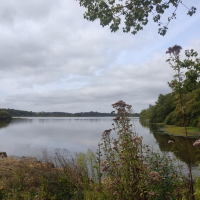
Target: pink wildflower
154 176
161 164
151 193
197 143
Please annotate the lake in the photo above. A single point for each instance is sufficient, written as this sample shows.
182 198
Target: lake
29 136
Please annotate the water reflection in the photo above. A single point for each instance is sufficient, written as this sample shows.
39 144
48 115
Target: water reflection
21 121
179 142
4 124
28 136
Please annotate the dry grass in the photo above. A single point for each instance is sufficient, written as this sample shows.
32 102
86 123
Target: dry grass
24 174
27 178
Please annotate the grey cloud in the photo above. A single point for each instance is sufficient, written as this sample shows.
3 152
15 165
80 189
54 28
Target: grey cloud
58 44
77 65
138 85
12 11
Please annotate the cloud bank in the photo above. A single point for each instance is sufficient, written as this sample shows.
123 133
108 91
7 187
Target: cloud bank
51 59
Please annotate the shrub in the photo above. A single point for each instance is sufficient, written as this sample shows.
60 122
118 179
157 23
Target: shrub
132 170
5 115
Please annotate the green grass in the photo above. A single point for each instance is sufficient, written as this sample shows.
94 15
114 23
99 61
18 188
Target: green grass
180 131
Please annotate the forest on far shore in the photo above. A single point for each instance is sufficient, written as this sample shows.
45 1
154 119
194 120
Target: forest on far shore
22 113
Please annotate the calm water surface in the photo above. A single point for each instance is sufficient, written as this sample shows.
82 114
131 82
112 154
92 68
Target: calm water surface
29 136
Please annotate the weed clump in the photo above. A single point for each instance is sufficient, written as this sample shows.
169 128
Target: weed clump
133 170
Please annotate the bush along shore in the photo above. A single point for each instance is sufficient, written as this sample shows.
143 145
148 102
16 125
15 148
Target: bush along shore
122 168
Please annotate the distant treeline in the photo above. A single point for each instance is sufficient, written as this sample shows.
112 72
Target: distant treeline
22 113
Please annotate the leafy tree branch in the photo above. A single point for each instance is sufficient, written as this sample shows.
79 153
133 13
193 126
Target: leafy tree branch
135 12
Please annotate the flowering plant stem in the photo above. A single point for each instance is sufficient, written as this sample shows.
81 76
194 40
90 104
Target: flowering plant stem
186 140
174 57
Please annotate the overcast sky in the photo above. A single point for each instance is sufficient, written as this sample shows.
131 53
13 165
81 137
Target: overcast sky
51 59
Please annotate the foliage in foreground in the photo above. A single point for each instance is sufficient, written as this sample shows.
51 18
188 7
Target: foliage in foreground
122 168
134 13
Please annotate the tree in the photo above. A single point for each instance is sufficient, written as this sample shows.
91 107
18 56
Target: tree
5 115
135 12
